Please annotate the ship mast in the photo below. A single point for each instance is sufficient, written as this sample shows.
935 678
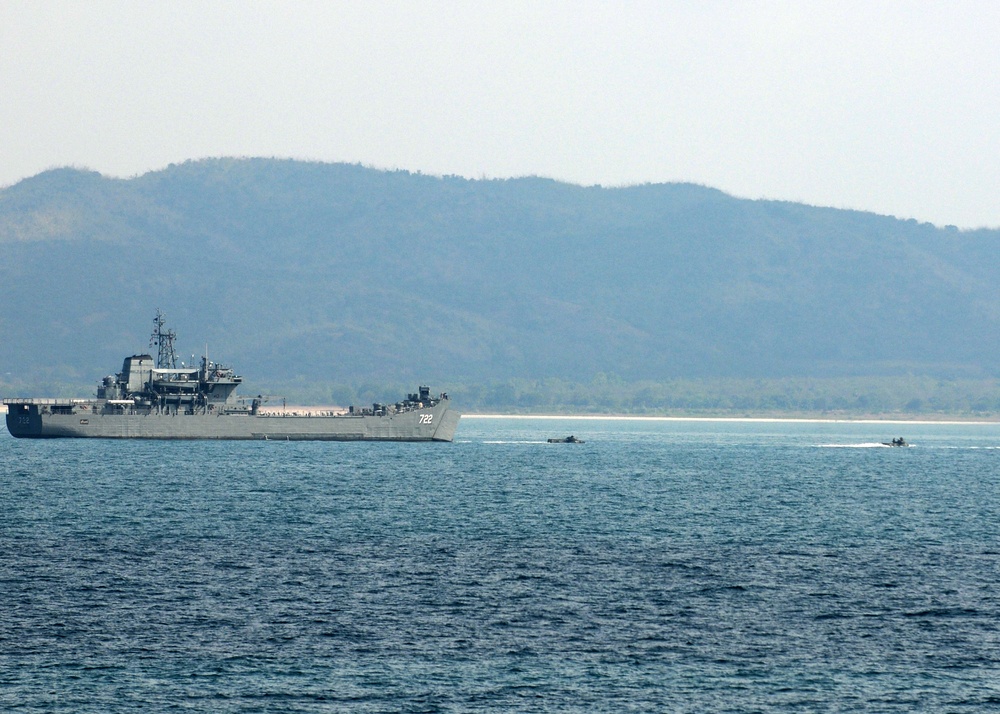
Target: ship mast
164 339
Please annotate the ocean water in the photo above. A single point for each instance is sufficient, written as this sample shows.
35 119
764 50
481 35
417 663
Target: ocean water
660 566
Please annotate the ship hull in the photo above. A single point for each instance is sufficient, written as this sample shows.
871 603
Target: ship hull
437 423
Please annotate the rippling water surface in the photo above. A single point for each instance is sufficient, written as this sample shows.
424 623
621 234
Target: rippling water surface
660 566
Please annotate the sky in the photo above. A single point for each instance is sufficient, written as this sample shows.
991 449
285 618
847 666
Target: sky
891 107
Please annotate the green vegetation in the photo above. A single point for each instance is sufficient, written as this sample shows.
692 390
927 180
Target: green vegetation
511 294
608 394
886 397
850 398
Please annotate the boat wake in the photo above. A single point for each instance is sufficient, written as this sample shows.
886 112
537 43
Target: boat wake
864 445
512 441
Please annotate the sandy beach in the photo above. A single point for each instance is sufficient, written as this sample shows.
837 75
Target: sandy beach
777 420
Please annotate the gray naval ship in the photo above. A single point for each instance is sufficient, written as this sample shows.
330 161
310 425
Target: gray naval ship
148 400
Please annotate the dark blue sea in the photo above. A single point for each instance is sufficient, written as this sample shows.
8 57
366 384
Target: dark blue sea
661 566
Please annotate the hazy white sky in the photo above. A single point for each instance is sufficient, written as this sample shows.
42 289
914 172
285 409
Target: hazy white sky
892 107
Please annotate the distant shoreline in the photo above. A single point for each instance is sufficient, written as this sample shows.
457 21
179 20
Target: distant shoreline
761 419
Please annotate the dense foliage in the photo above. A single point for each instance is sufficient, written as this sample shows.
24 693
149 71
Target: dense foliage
316 274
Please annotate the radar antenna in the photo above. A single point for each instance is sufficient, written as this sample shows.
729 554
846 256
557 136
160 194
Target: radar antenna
164 339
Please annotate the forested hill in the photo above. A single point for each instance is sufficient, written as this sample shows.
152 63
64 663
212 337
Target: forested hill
340 273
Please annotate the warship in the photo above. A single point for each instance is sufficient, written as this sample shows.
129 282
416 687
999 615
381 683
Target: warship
159 400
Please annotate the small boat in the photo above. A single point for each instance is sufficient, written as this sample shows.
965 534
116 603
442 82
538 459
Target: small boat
895 442
567 440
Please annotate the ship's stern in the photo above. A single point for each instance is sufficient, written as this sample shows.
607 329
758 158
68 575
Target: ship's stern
24 419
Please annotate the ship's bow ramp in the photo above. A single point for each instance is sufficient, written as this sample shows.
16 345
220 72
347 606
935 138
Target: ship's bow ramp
447 426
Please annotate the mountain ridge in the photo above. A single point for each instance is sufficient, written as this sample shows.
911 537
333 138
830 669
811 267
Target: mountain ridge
303 270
